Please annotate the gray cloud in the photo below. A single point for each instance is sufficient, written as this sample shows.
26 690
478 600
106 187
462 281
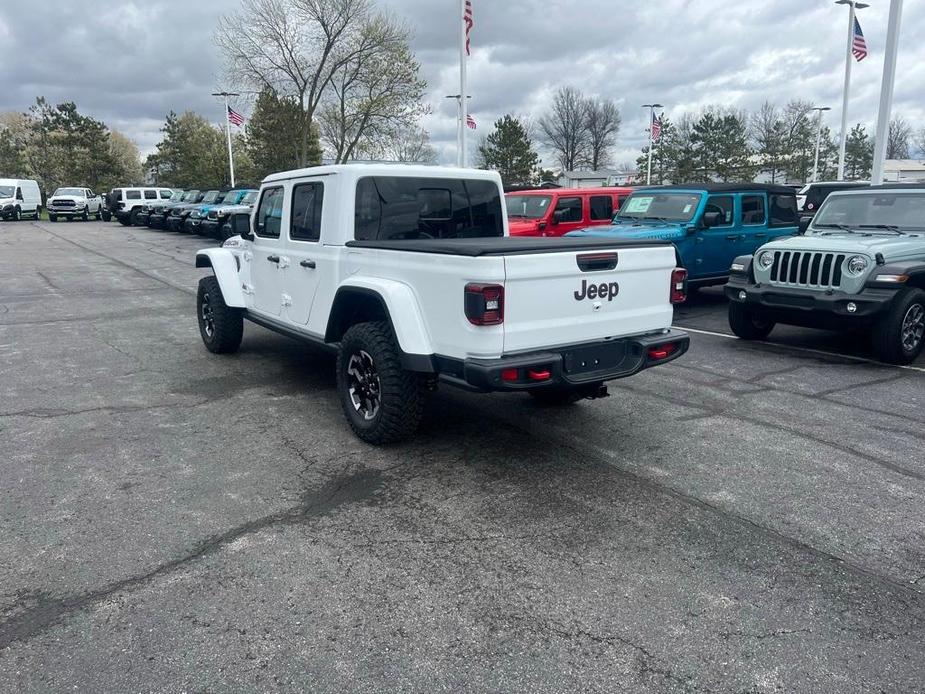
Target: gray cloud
130 62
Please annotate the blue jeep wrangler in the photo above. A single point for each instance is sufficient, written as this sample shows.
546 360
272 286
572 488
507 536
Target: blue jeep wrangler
709 224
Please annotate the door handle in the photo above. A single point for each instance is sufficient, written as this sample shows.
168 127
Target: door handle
732 237
308 264
273 259
760 236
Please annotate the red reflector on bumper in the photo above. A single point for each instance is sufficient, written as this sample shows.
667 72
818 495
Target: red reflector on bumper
537 375
510 375
661 351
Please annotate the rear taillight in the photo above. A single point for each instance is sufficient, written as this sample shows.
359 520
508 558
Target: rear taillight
484 304
659 352
678 285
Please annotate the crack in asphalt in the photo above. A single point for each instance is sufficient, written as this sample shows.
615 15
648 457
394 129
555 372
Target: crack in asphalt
39 611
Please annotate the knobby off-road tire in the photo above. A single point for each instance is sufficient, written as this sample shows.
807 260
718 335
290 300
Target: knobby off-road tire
220 326
133 218
85 215
107 216
746 325
898 336
382 401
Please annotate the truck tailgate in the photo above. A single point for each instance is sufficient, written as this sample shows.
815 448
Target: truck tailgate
568 297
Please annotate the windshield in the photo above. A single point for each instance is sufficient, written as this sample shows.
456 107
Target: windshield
70 191
871 212
249 198
190 195
7 191
669 207
211 196
527 206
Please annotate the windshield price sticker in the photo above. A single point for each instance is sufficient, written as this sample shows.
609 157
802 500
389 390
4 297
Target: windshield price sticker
687 209
639 204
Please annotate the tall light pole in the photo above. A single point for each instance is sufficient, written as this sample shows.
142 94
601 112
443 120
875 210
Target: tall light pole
818 140
225 95
853 6
651 108
886 91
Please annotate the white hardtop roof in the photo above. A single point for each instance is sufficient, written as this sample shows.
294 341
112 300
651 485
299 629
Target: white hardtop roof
356 171
885 189
12 181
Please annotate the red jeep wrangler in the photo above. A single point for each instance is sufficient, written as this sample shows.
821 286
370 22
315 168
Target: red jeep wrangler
557 211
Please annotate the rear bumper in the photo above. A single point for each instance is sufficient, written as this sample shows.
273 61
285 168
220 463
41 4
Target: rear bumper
808 308
572 366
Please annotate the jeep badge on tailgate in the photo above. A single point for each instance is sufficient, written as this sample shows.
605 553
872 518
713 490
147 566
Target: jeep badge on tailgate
604 290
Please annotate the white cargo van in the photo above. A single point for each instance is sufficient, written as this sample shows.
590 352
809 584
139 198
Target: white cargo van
18 197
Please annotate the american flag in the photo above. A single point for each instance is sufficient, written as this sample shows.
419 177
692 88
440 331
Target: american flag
235 118
656 130
469 22
470 122
858 44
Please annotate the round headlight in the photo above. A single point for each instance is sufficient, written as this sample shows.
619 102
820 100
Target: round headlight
765 259
857 264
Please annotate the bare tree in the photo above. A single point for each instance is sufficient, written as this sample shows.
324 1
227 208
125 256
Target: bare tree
768 132
564 129
375 94
409 145
295 47
602 121
898 140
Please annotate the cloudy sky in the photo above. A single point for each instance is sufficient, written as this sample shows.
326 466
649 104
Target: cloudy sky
129 62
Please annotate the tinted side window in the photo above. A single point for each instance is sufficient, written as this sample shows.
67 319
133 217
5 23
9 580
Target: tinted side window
270 213
753 209
601 207
783 211
150 195
570 209
307 200
400 207
166 194
133 195
723 205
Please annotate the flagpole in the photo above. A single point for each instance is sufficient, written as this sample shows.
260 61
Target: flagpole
853 5
886 91
225 96
651 108
463 105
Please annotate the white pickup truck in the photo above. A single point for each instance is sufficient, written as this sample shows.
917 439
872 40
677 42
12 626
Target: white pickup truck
408 272
74 202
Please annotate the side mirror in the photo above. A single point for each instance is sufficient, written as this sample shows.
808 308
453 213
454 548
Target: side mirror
712 219
804 224
241 226
557 217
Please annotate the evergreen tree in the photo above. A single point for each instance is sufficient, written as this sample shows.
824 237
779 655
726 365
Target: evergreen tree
859 154
193 153
509 151
270 143
721 150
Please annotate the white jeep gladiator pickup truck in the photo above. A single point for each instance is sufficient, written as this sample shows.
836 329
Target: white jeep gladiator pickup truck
409 274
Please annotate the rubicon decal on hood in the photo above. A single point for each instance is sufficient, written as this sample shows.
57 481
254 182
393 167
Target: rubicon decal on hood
603 290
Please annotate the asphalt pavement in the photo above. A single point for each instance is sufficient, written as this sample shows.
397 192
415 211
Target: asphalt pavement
746 519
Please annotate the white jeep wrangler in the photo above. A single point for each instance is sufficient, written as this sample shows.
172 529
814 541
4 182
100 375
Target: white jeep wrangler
74 202
408 273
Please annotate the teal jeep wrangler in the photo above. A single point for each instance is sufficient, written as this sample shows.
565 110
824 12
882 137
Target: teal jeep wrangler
859 264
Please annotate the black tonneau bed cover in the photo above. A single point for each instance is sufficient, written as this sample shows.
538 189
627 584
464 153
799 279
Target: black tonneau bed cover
504 245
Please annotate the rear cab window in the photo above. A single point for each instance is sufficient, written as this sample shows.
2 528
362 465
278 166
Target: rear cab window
753 212
783 210
305 216
601 207
399 207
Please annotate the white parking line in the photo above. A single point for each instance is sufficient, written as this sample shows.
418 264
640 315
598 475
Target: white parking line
810 350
